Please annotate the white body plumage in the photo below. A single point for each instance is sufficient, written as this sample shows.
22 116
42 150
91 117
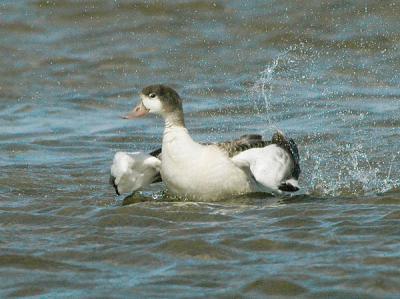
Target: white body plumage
205 172
196 171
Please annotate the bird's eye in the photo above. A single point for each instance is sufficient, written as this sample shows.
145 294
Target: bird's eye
152 95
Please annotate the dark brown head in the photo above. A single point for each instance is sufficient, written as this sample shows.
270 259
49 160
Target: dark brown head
157 99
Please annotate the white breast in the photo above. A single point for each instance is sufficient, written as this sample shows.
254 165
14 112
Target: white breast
199 171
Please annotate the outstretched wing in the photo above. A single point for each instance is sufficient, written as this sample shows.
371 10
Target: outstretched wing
275 166
134 171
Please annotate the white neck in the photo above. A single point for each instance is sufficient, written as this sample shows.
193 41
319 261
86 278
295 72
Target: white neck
176 145
172 131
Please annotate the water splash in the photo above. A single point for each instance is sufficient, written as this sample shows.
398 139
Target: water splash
262 90
352 173
331 165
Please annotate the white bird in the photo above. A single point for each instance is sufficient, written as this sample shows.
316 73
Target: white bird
205 171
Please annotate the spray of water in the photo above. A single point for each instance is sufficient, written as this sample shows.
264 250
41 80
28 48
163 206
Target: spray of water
262 91
330 167
352 173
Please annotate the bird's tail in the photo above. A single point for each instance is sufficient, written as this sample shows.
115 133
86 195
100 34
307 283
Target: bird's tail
288 144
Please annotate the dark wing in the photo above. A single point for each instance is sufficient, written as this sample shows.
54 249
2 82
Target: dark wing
156 153
112 183
245 142
290 146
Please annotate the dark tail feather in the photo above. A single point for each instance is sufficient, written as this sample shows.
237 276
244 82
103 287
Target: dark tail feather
156 153
287 187
157 179
112 182
290 146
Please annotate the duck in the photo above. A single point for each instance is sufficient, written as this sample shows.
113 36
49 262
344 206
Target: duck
204 171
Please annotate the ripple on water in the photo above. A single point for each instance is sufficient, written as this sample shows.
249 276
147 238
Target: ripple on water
196 249
37 263
273 286
257 245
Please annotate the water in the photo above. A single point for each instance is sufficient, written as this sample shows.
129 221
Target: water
325 73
